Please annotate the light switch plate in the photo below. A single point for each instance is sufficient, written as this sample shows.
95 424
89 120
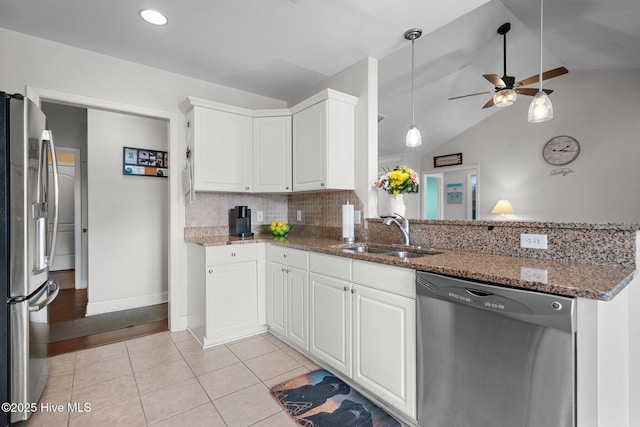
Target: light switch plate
299 215
259 216
357 217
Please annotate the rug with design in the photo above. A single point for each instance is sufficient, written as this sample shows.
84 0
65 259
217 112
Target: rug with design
320 399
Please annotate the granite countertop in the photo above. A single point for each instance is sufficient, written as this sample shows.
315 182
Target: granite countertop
580 280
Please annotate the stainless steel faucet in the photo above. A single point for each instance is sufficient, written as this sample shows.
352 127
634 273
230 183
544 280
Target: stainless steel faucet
404 227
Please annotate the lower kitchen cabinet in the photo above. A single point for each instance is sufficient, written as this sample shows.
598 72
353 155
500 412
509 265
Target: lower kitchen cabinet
384 346
226 292
330 321
287 295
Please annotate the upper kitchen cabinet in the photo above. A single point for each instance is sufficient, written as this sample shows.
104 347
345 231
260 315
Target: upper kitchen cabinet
272 154
220 138
324 142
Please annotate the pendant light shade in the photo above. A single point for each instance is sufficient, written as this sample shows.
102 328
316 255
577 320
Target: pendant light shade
540 109
414 139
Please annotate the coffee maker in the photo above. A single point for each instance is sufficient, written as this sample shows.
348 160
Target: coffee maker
240 222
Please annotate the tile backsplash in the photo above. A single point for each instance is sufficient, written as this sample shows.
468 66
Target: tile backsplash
321 212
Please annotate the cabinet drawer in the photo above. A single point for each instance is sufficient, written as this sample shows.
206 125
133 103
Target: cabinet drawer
293 257
330 265
230 254
397 280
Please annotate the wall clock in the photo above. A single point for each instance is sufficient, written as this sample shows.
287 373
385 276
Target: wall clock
561 150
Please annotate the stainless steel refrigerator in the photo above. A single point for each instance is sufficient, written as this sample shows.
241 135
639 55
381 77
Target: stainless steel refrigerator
28 228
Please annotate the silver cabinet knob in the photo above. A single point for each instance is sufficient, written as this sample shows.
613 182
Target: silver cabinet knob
284 255
246 188
233 254
322 184
353 291
211 271
346 288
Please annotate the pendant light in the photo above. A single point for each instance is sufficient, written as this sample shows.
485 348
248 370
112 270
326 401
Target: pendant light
540 109
414 139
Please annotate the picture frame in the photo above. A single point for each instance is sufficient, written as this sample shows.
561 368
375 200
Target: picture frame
145 162
447 160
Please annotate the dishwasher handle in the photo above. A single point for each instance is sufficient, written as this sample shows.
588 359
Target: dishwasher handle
478 293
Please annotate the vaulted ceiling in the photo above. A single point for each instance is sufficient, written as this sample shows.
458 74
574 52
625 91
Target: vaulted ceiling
281 48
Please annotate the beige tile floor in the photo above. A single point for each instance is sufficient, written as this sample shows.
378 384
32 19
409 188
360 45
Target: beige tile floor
167 379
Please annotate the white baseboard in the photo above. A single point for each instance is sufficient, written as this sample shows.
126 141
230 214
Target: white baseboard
125 303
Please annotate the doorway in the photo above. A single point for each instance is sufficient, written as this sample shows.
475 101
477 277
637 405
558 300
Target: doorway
451 194
73 325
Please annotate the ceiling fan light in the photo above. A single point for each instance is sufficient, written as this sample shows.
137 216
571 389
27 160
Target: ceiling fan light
540 109
414 139
505 97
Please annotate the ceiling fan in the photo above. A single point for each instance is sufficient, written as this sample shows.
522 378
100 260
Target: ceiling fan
506 89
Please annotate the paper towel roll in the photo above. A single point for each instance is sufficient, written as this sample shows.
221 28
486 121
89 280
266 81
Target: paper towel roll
347 221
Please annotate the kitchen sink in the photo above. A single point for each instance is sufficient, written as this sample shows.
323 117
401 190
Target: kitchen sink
390 250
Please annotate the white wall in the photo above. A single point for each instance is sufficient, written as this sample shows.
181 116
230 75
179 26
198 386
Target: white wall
128 215
600 109
40 63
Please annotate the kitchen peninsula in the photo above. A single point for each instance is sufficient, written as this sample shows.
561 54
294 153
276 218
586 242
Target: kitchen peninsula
595 263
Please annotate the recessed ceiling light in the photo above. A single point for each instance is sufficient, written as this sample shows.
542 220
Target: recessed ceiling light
153 17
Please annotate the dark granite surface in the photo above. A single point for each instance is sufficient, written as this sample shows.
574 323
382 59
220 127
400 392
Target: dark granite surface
599 282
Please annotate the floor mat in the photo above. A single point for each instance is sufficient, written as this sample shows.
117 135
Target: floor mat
319 399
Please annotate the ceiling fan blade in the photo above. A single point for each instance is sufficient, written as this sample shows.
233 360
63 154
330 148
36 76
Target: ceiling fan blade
471 94
546 75
532 91
495 80
489 103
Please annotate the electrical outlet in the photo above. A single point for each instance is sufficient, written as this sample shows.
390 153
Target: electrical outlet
259 216
533 274
533 241
357 217
299 215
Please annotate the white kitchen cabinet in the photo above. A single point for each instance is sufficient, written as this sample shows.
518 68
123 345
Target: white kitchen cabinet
362 321
287 295
324 142
272 154
384 333
330 321
226 292
220 139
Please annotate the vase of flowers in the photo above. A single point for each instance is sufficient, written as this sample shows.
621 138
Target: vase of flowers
396 183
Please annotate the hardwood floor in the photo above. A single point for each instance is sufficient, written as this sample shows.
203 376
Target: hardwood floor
71 305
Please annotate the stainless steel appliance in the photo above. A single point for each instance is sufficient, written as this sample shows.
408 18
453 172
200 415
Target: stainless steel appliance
240 222
491 356
27 245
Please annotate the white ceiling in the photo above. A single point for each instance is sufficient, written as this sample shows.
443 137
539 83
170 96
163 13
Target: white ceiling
281 48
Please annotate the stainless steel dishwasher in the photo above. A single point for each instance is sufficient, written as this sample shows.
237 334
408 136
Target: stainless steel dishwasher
490 356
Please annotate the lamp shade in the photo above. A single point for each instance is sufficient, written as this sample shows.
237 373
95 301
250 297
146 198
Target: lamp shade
505 97
502 207
540 109
414 139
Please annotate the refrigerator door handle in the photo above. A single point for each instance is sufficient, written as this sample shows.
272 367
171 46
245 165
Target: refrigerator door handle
52 289
47 138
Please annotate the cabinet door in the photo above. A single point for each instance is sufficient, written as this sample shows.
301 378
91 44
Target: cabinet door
310 148
384 346
277 298
272 154
330 321
232 300
222 150
297 302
